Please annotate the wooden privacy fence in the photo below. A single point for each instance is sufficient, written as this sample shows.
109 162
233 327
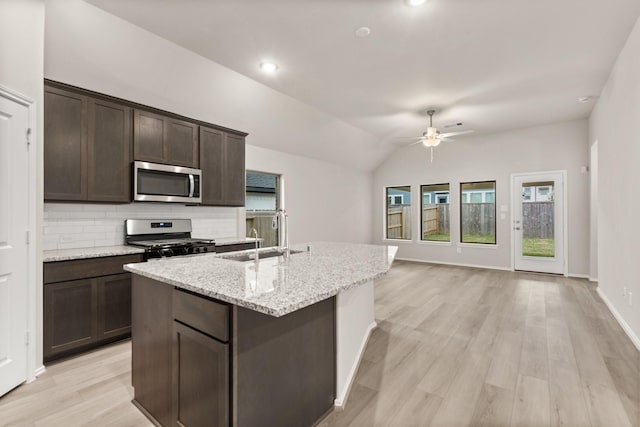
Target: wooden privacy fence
399 222
538 220
262 223
435 219
478 218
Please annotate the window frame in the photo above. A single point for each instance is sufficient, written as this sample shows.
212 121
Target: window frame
386 213
495 212
422 239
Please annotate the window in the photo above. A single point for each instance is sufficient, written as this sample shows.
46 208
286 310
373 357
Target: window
395 199
262 200
478 212
398 212
435 216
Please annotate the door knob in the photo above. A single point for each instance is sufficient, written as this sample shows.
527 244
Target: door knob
516 228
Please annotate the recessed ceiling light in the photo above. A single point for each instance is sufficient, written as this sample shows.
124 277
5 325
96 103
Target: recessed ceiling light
414 3
585 99
268 67
363 31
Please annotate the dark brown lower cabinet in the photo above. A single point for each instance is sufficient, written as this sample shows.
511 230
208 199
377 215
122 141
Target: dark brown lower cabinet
200 378
114 306
69 316
87 311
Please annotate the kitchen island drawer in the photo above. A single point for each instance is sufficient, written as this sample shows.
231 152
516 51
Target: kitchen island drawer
202 313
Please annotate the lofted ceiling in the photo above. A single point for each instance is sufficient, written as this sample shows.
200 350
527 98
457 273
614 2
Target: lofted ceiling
491 64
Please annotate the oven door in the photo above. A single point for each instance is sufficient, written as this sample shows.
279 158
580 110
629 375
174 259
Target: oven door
153 182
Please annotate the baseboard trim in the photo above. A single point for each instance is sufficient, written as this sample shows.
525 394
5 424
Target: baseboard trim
625 326
579 276
424 261
593 279
340 401
39 371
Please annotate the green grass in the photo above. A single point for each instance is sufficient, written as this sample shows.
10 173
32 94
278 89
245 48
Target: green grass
435 237
532 246
478 238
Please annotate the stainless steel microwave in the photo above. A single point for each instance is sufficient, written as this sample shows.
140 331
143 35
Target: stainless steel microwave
153 182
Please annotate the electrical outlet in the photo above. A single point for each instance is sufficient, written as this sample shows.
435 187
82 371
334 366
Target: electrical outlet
459 250
630 298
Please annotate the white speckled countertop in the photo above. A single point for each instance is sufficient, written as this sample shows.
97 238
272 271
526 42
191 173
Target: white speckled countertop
83 253
277 286
222 241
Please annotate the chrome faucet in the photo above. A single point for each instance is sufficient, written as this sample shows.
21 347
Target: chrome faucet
255 233
281 221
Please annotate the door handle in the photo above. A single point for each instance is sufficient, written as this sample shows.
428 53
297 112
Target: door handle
516 228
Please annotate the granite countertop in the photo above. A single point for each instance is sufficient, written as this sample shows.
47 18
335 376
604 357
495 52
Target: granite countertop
222 241
274 286
83 253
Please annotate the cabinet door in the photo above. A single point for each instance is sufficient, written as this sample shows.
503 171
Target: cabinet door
114 306
65 145
234 182
148 137
69 315
181 143
211 163
200 379
109 152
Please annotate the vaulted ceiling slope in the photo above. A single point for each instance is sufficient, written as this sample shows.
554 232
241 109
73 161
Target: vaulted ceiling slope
491 64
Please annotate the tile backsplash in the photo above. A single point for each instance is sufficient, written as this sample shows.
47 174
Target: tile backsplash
68 225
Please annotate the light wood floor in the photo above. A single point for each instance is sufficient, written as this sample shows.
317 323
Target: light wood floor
454 347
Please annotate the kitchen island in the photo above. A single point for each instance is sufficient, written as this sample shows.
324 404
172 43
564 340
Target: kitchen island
218 341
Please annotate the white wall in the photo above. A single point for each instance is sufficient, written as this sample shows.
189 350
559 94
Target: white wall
615 124
561 146
324 201
21 70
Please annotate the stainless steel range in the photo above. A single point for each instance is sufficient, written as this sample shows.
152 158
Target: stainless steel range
165 238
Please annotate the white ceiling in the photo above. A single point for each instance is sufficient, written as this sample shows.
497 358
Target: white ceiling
491 64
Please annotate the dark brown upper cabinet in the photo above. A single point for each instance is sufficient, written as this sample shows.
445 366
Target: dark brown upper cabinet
65 145
109 152
167 140
222 160
87 148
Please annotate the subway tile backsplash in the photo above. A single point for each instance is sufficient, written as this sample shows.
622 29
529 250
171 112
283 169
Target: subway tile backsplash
68 225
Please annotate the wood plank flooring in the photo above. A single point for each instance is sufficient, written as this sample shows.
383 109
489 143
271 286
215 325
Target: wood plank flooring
472 347
454 347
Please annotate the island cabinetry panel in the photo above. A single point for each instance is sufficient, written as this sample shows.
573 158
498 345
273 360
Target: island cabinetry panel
162 139
284 366
151 343
87 303
87 148
200 378
222 160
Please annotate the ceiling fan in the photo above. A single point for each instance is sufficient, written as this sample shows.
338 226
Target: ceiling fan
432 136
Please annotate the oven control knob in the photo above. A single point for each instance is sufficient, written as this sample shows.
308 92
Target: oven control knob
166 252
205 249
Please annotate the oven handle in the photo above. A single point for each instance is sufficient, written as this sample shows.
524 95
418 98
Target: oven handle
192 185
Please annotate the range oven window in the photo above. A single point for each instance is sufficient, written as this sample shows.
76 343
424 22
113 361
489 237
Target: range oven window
159 183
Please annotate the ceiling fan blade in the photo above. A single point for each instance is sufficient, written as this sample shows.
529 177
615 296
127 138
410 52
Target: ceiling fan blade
406 137
462 132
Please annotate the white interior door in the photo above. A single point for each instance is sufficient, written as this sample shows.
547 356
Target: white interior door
14 217
539 222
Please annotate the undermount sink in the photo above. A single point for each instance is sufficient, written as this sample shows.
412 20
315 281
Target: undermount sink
261 255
